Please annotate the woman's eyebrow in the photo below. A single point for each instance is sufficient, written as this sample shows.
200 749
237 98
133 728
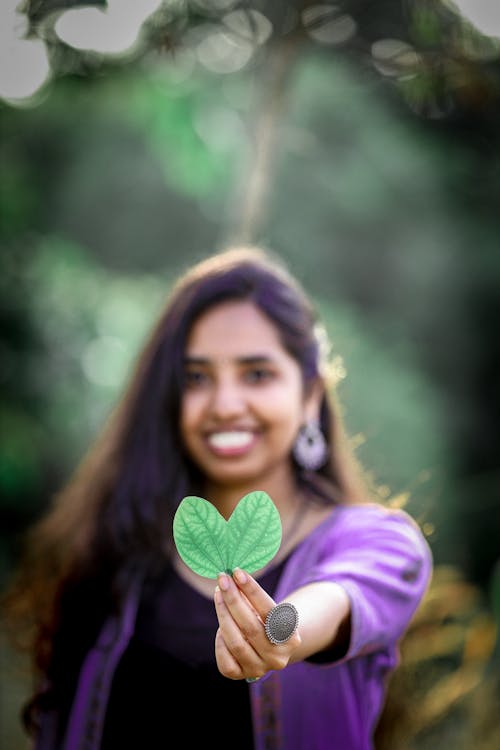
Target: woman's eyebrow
196 361
250 359
255 359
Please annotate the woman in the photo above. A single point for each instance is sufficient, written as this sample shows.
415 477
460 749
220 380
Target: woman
132 647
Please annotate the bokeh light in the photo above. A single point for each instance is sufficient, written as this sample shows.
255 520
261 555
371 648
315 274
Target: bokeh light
114 30
483 14
327 24
24 66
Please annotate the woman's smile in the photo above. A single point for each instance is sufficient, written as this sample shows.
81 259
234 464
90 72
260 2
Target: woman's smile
231 442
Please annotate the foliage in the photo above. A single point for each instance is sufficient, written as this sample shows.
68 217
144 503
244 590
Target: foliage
435 58
446 687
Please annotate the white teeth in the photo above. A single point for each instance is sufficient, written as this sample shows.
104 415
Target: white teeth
233 439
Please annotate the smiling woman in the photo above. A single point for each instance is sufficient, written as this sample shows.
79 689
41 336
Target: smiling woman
229 400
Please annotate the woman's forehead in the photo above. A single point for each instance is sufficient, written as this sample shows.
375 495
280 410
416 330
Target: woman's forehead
234 332
234 325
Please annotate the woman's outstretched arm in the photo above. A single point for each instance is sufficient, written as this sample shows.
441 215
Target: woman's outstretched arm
242 647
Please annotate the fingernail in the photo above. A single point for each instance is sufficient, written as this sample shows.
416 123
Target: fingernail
223 581
218 595
240 575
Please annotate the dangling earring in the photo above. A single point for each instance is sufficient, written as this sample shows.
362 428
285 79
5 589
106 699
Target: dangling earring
310 449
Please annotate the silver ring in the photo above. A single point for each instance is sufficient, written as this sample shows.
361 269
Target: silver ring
281 623
252 679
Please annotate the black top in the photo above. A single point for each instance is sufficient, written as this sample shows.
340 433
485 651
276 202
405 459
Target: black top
167 691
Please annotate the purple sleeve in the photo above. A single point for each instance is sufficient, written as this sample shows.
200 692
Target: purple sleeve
384 564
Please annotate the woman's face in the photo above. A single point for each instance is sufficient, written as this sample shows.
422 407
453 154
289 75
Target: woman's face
243 400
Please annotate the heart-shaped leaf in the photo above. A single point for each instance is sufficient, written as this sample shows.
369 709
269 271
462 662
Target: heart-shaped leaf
209 544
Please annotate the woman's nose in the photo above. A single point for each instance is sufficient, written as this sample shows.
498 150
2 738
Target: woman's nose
227 399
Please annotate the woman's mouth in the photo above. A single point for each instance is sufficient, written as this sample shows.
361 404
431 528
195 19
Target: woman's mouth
231 442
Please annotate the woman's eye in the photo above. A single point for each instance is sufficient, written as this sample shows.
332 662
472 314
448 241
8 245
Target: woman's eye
194 379
258 375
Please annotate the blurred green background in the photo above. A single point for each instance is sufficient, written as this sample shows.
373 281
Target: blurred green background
361 142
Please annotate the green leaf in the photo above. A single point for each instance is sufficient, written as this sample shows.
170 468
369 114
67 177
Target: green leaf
209 544
254 532
200 536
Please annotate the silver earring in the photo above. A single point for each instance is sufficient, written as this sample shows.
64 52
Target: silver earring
310 449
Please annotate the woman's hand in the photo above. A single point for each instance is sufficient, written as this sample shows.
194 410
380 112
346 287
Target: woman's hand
242 648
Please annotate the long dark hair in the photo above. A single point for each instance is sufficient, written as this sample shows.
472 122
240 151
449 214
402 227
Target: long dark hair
117 509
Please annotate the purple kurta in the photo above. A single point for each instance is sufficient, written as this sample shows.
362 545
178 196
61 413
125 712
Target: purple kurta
384 564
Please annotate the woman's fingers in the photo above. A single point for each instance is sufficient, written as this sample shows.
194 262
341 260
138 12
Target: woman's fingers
242 606
276 656
259 599
248 609
226 663
236 657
